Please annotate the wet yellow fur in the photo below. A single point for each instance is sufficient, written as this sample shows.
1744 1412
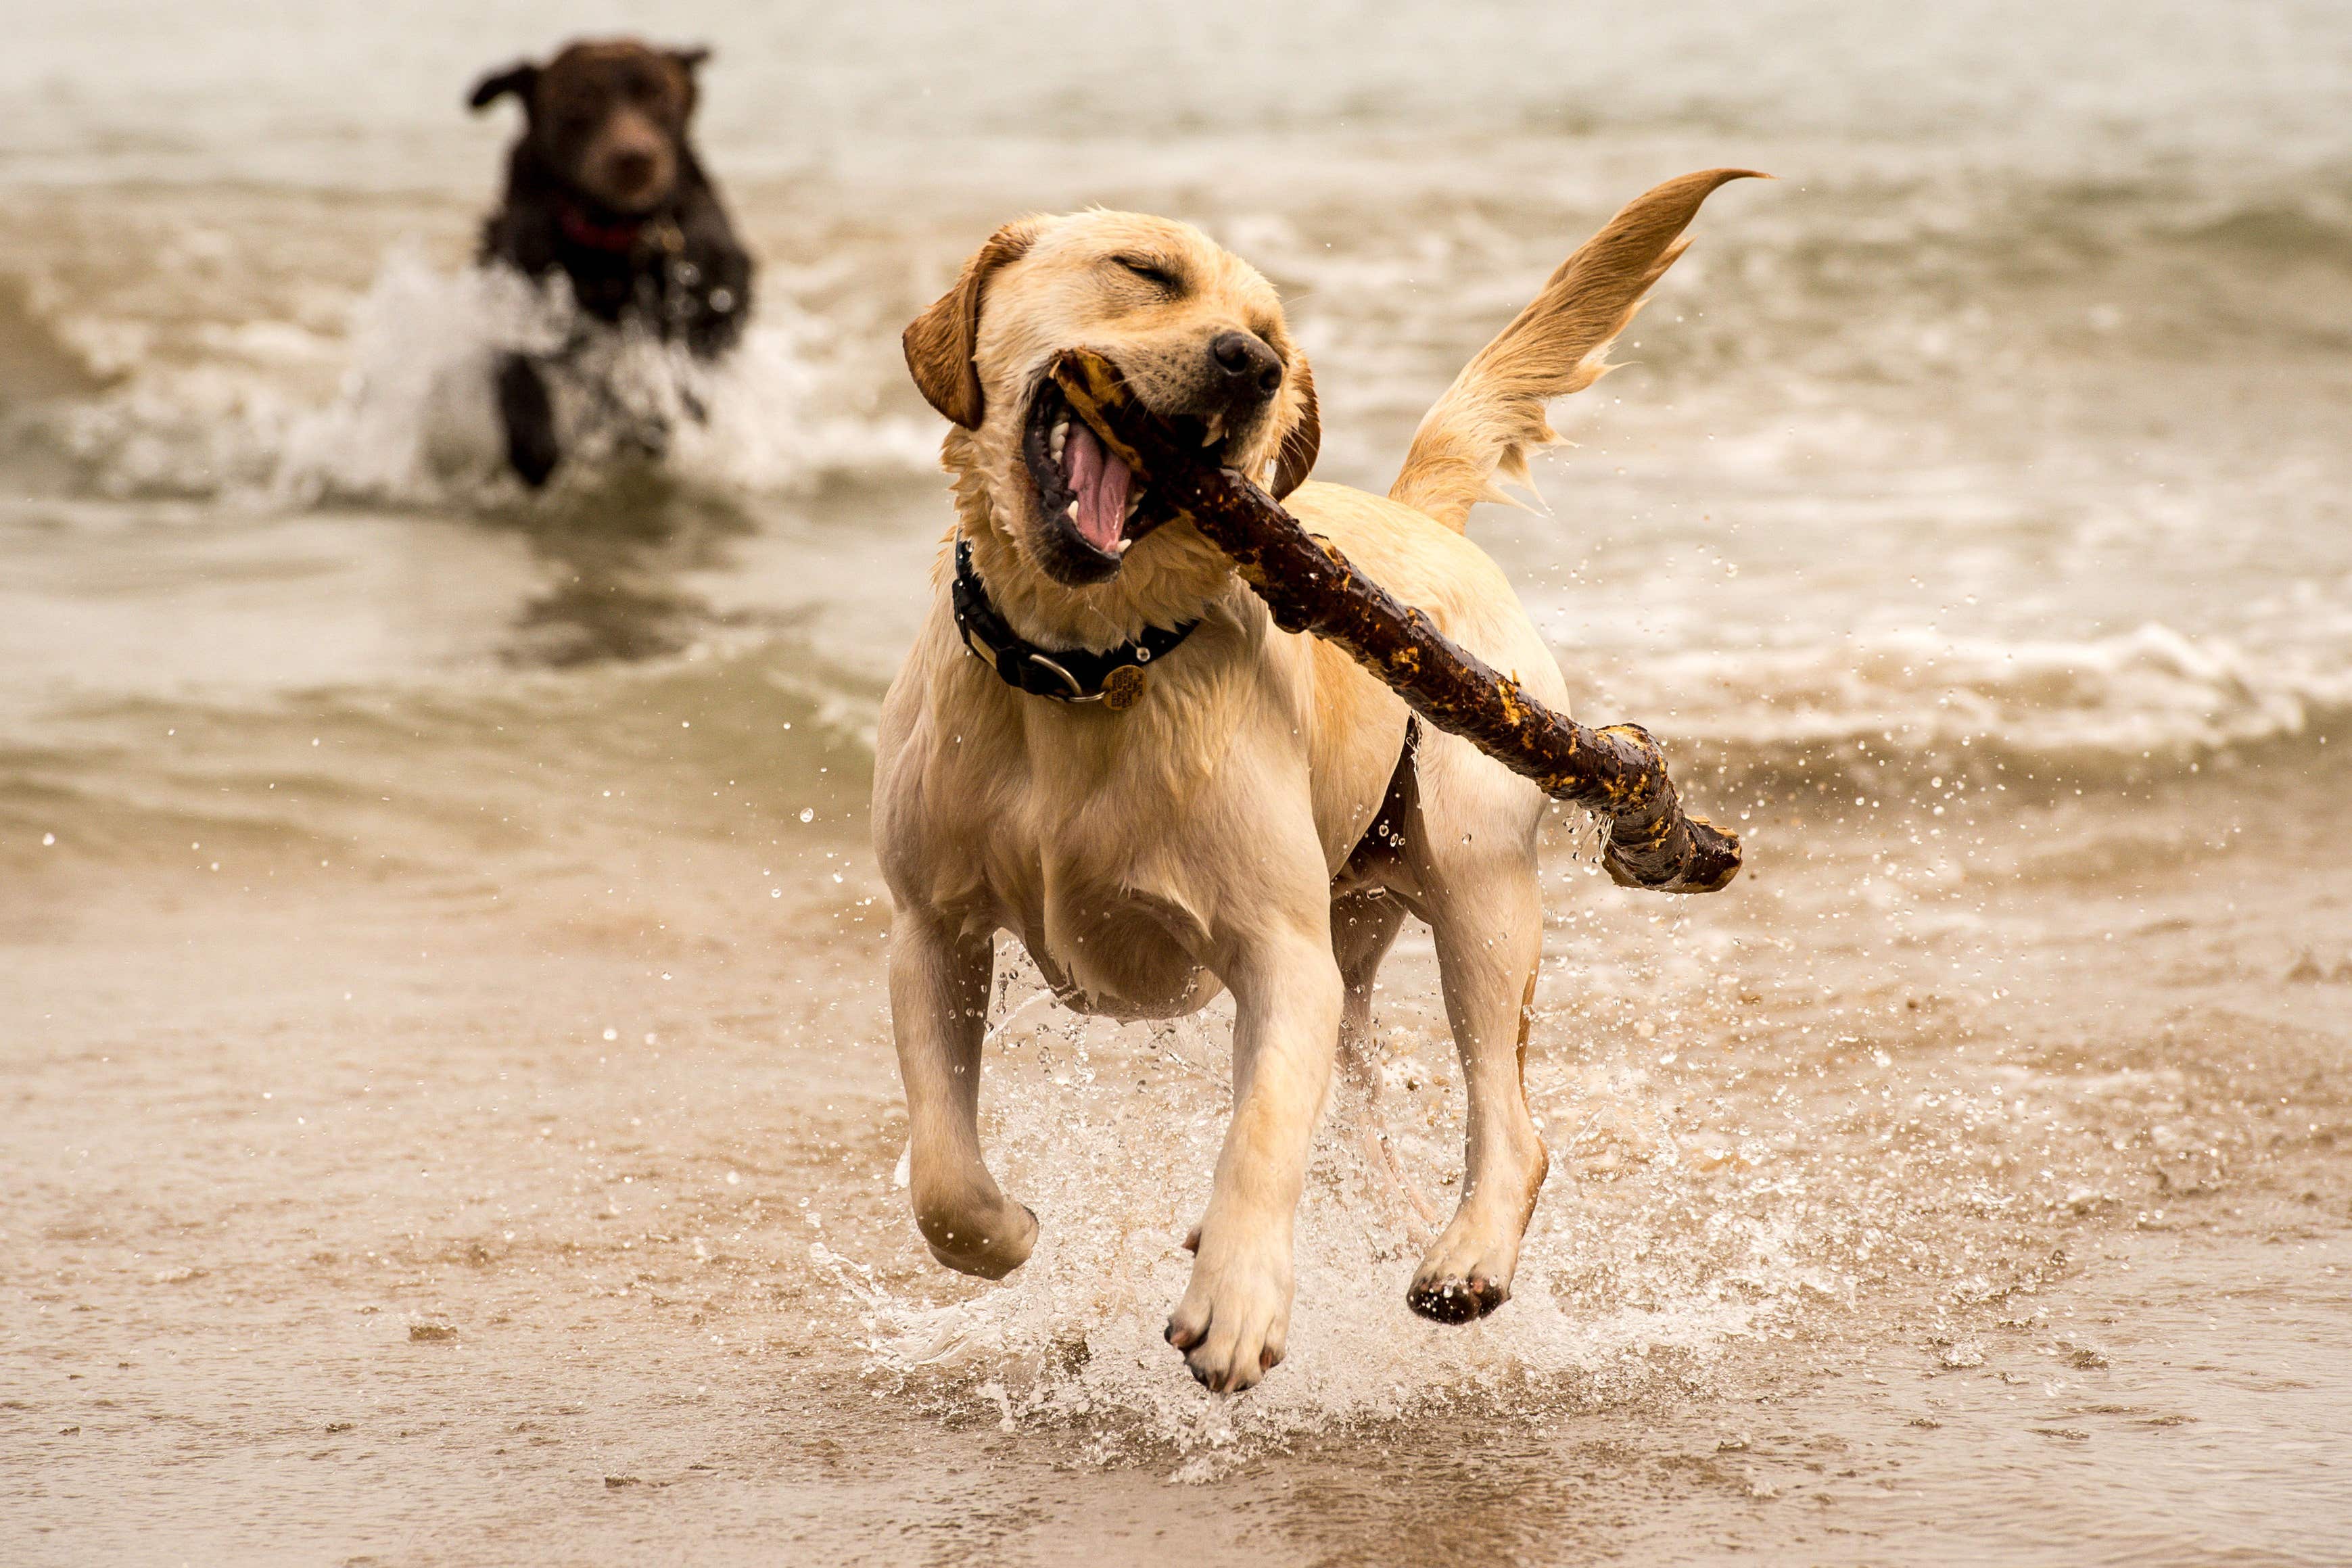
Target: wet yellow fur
1151 858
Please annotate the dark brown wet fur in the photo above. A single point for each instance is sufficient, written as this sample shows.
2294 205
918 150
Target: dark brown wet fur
604 185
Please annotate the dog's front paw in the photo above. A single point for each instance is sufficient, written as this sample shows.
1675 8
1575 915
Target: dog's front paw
1235 1315
989 1241
528 416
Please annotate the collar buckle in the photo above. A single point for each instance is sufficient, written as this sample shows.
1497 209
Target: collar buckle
1077 692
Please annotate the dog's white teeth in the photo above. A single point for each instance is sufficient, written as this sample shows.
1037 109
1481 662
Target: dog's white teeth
1216 430
1053 442
1121 548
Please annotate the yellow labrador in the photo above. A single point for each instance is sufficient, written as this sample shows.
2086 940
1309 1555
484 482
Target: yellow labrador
1102 743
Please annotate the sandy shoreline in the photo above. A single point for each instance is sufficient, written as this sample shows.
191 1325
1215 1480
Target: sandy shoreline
343 1232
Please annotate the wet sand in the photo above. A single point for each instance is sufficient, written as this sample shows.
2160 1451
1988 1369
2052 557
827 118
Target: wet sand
364 1218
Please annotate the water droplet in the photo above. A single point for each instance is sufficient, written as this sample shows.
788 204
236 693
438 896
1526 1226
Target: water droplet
612 1034
807 815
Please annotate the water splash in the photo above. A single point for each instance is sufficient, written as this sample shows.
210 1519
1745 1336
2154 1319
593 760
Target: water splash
407 418
415 422
1110 1135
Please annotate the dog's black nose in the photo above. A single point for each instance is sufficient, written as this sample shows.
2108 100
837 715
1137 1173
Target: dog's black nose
631 166
1250 371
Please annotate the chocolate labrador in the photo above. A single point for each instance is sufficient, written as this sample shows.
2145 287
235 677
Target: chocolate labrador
605 185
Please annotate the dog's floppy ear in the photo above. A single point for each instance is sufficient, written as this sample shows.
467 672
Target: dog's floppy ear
941 341
517 79
687 60
1304 439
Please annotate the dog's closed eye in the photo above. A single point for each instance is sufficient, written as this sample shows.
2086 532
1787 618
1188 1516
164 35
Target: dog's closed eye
1150 271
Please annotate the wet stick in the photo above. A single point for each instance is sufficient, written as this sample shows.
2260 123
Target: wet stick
1616 773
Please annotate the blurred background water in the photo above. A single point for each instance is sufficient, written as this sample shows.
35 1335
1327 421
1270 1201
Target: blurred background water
1971 521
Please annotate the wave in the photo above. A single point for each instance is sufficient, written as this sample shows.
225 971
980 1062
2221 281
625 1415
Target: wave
1885 277
2100 712
757 726
540 765
38 361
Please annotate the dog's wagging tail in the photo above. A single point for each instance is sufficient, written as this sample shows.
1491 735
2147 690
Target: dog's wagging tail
1494 415
1617 773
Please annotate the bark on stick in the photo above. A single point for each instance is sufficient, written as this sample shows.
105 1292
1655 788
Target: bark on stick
1617 773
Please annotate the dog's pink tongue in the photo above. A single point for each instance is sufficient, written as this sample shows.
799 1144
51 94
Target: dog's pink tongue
1101 480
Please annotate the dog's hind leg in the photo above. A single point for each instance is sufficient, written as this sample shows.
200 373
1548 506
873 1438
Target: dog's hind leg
1472 858
939 1011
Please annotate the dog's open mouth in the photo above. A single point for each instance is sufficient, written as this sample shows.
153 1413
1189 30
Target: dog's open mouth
1091 503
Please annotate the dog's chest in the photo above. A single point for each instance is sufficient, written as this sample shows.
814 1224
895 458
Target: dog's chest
1127 956
1101 839
1108 863
1133 851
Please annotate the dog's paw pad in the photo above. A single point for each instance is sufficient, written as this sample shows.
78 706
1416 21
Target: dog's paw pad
1447 1300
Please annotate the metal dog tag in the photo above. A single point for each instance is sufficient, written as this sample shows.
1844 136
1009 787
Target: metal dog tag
1123 688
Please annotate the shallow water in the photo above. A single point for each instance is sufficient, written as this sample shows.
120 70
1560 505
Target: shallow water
431 909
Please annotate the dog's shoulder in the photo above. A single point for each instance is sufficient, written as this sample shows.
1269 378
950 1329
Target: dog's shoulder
701 208
707 226
524 229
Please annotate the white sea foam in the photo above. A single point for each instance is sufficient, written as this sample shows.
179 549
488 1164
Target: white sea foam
416 421
413 422
2151 691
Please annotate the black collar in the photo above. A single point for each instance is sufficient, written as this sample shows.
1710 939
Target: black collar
1113 677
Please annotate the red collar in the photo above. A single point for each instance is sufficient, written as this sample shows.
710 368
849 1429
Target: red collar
619 238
